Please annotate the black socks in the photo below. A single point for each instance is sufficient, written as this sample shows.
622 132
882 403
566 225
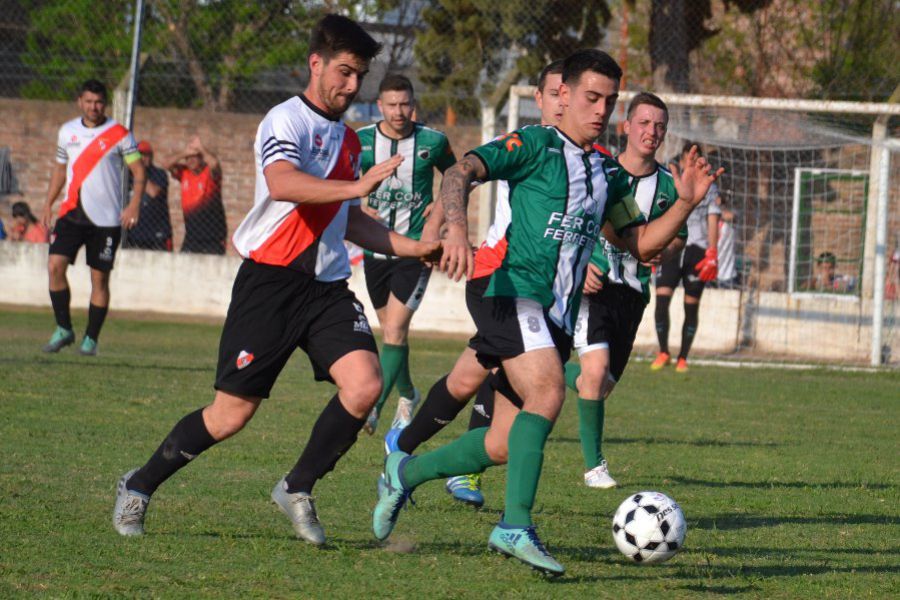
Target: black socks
438 411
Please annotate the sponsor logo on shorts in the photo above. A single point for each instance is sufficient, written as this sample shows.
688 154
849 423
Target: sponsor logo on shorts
362 325
107 253
244 359
358 307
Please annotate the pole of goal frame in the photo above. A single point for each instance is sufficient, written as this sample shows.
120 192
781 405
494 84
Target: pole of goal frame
132 91
880 256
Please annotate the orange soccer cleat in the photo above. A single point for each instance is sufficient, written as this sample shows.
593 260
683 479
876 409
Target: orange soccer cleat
662 359
681 366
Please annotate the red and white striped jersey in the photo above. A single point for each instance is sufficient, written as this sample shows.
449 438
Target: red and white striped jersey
93 157
306 237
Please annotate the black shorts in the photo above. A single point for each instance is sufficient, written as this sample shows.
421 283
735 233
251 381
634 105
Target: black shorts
405 278
610 319
681 268
274 310
100 243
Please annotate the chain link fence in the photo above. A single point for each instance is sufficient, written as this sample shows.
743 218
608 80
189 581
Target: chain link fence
208 71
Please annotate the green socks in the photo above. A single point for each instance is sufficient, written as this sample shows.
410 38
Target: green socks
404 380
526 458
463 456
394 360
590 429
573 370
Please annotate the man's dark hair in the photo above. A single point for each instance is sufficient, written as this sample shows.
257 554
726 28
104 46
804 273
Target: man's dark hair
21 209
826 257
335 34
591 59
93 86
394 82
554 68
646 98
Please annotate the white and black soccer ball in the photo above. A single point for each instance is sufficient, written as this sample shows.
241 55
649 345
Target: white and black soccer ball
649 527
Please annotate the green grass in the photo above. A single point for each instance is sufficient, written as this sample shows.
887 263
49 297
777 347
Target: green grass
788 480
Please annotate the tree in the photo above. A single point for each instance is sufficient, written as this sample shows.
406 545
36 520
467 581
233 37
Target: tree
471 51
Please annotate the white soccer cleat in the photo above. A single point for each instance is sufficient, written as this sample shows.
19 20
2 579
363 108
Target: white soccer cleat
406 407
598 477
301 510
130 508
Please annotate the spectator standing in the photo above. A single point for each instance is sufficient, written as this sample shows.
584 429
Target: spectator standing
200 175
26 227
154 230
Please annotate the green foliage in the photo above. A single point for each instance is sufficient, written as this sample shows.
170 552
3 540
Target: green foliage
788 480
470 48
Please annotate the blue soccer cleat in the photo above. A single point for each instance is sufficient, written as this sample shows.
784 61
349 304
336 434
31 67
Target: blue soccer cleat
524 544
60 339
391 439
466 489
392 495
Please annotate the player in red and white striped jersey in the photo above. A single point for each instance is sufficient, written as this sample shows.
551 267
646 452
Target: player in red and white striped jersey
291 289
89 155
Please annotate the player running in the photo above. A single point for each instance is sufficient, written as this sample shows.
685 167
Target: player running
291 289
694 268
451 393
562 191
402 202
90 152
617 285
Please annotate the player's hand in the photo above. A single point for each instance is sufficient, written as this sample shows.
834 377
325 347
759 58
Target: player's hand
129 216
708 268
374 176
429 252
693 179
457 260
655 261
593 279
47 215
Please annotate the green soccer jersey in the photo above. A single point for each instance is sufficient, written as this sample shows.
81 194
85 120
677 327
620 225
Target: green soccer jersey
654 194
402 198
560 196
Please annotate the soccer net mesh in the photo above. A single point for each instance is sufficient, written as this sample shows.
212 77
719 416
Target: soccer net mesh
801 196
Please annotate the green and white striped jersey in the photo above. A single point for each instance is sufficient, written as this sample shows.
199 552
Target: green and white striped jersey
560 196
654 194
401 199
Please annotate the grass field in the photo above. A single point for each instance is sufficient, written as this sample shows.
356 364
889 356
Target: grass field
788 479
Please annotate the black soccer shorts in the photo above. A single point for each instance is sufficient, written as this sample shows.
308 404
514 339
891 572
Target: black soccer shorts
610 319
275 310
680 268
100 243
405 278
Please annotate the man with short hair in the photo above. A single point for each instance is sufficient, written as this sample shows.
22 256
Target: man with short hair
562 191
291 289
90 153
200 174
617 285
154 230
402 202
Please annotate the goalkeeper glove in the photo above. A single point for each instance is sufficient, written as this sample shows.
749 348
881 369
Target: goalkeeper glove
708 268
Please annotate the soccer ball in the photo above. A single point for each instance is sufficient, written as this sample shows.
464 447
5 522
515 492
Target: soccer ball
649 527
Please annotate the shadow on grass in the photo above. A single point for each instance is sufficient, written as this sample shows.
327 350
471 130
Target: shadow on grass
733 521
754 551
100 363
762 485
702 443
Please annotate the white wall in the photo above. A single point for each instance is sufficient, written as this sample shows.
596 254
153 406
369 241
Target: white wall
807 326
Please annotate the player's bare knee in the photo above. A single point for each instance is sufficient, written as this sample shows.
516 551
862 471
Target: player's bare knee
393 334
225 422
462 386
497 448
360 395
593 375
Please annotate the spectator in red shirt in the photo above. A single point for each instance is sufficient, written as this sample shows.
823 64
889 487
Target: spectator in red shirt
200 175
26 227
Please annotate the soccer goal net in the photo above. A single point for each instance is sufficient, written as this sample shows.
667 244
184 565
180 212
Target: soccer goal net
811 204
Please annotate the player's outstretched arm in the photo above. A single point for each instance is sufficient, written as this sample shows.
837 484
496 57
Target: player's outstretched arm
457 260
289 184
692 182
366 232
57 181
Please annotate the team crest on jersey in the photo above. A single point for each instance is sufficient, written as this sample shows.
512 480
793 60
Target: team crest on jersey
244 359
318 140
424 153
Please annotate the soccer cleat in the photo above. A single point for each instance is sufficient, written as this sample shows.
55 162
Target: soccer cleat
371 423
598 477
391 439
524 544
662 359
405 409
301 510
466 489
391 496
130 508
88 347
681 366
61 338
